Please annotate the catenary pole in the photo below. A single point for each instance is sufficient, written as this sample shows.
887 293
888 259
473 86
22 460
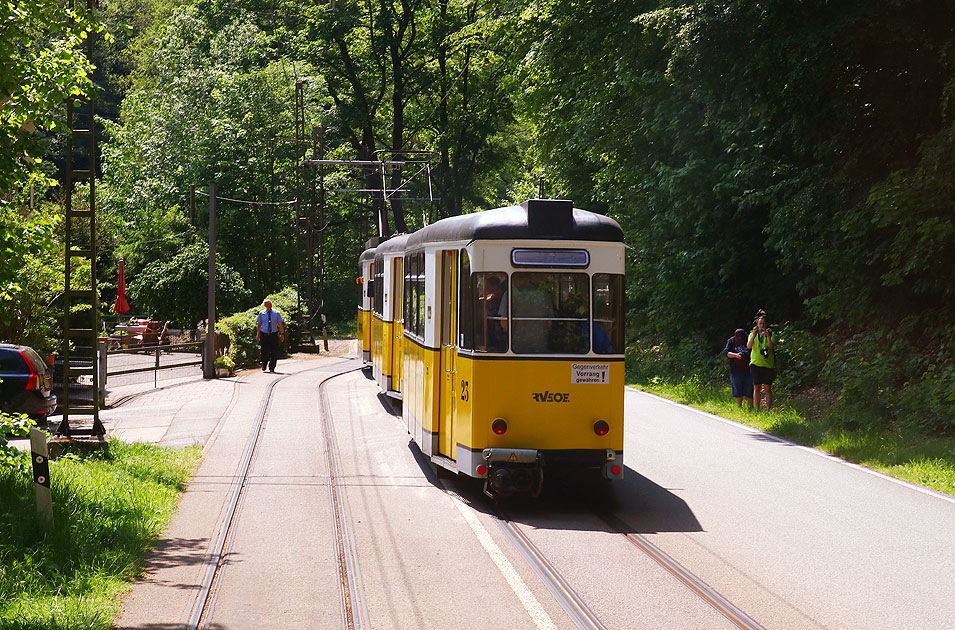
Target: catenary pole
208 366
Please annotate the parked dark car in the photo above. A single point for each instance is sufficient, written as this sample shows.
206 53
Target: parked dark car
27 382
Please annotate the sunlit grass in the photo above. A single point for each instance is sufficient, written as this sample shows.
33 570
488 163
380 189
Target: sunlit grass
927 461
109 508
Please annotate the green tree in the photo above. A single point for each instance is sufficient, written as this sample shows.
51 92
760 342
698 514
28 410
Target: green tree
176 289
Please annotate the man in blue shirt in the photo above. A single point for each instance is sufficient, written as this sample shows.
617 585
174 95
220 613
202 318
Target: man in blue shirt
269 329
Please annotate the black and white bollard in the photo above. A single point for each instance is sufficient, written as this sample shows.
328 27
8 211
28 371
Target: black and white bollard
41 476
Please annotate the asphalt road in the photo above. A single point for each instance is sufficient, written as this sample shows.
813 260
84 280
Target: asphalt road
791 538
795 538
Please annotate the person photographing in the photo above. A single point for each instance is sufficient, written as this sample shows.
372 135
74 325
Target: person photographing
762 361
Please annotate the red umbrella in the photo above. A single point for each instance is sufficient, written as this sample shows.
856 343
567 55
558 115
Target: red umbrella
121 305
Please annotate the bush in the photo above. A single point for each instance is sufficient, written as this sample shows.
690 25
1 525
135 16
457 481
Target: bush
244 348
16 425
800 358
648 361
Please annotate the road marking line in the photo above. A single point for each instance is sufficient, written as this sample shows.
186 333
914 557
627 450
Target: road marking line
533 607
808 449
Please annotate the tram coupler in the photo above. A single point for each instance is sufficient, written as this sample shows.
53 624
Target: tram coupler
513 471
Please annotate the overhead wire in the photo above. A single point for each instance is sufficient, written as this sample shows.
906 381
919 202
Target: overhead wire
251 203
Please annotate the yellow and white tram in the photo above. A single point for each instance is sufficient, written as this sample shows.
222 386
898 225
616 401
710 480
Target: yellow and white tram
366 283
387 330
513 341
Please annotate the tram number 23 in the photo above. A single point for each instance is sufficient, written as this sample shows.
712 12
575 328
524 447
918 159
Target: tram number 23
464 391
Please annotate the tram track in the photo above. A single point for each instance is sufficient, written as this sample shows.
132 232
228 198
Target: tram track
199 615
712 597
354 607
576 608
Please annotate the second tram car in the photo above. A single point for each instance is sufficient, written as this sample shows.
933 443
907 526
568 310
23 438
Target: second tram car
387 329
513 341
367 289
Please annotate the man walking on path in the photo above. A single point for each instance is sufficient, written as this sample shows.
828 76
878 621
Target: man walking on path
269 330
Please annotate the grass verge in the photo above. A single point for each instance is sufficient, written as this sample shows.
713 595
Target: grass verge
924 460
109 507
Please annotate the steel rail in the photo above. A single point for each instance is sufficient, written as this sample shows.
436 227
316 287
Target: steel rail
354 606
575 607
722 605
202 606
136 348
204 602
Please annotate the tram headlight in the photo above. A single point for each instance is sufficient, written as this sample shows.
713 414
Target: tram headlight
499 426
601 427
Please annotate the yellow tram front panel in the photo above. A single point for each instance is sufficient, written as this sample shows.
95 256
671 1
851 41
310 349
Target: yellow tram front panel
547 404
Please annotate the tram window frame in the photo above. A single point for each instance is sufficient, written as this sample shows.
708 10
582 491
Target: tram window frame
490 325
465 305
420 284
379 302
612 317
542 326
407 295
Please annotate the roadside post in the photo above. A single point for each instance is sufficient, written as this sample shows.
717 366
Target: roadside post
208 365
101 356
41 476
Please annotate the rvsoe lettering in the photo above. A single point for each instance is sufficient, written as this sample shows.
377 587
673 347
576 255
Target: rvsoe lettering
548 396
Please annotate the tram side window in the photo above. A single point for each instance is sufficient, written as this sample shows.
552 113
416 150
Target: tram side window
490 311
379 278
466 307
550 313
419 284
608 313
406 305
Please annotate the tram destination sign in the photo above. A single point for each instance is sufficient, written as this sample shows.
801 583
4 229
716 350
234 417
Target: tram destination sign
590 373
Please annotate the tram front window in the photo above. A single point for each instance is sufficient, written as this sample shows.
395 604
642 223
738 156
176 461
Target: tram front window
608 313
550 313
490 312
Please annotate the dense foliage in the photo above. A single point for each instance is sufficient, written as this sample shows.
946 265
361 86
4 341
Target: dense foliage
790 156
241 327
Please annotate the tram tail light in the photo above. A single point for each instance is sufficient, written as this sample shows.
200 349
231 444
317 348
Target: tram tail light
482 469
499 426
601 427
616 470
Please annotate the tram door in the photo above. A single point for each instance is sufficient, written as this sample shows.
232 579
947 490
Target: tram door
449 351
397 347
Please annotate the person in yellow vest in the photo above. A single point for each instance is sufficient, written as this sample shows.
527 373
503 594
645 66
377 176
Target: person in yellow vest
762 361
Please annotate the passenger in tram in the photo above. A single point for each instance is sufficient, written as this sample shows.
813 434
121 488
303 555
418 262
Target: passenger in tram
534 310
492 311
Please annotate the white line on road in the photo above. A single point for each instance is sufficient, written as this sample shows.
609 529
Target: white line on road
533 607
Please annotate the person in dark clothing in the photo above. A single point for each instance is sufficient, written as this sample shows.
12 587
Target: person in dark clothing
740 378
269 330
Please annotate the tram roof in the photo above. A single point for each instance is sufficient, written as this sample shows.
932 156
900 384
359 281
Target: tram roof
393 244
535 219
368 254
